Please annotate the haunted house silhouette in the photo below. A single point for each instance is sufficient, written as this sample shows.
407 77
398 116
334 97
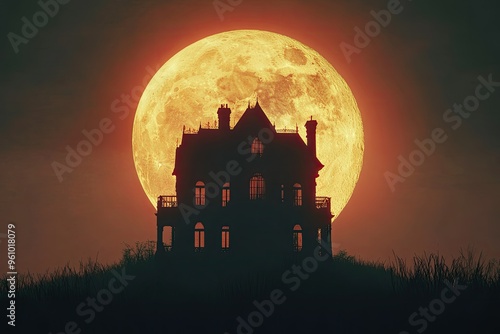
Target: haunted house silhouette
247 192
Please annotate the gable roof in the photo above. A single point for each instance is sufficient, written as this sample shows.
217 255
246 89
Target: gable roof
253 119
213 142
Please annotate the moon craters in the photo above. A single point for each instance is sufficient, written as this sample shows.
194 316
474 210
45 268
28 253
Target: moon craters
295 56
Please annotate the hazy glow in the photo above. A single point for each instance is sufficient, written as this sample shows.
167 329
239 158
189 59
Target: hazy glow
292 82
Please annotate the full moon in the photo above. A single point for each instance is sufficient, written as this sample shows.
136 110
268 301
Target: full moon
292 83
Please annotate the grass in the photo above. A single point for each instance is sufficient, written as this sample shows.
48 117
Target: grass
344 295
428 272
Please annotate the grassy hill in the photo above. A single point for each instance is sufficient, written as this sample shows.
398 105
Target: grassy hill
140 294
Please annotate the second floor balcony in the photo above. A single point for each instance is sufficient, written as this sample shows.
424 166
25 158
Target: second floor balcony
323 203
170 201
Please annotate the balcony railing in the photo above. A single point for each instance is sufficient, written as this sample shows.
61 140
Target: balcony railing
167 201
285 130
323 203
171 202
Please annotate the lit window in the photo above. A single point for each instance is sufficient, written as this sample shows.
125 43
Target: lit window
226 194
319 236
257 147
199 194
297 238
199 237
168 238
225 238
297 194
257 187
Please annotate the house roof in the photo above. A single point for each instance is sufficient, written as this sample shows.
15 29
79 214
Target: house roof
214 143
253 117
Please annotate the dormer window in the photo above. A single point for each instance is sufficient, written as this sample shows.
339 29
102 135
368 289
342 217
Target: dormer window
257 147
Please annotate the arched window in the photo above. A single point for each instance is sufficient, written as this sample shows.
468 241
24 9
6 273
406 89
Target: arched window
199 194
199 237
225 238
257 187
257 147
297 238
226 194
297 194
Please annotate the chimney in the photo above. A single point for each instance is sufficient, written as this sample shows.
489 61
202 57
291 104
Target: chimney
311 135
224 117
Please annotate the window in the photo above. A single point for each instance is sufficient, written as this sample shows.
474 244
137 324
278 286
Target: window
257 147
226 194
257 187
199 194
297 194
297 238
168 238
225 238
282 193
199 237
319 236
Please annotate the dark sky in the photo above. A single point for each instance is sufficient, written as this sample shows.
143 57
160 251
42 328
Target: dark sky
66 77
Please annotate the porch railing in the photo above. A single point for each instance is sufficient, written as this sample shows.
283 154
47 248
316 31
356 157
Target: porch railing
167 201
